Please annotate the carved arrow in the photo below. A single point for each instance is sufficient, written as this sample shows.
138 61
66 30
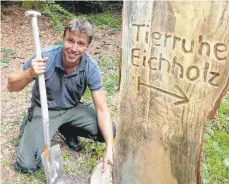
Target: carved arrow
182 96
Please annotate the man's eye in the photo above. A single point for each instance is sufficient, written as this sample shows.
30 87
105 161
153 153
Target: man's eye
81 44
70 41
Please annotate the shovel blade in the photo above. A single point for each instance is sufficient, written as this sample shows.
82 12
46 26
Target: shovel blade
53 164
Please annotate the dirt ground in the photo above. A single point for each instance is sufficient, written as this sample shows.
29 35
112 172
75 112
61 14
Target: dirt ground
16 34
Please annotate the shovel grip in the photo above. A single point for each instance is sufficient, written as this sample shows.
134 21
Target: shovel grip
42 88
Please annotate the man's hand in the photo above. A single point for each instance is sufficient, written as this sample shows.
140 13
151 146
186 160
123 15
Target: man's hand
37 67
108 159
19 78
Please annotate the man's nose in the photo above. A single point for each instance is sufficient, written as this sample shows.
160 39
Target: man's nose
74 47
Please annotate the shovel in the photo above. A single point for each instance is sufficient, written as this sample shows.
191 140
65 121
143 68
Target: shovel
51 157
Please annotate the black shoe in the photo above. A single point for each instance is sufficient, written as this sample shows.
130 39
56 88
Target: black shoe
74 143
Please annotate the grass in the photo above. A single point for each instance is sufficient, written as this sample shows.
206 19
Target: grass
6 54
103 20
82 163
215 167
109 68
31 178
94 152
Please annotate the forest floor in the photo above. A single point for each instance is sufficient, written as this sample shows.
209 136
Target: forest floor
17 46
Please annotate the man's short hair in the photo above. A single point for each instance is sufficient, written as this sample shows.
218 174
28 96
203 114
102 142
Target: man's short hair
80 26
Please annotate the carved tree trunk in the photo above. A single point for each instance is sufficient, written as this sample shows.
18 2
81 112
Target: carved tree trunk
214 112
175 61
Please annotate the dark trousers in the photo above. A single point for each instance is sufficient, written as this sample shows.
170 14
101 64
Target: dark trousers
77 121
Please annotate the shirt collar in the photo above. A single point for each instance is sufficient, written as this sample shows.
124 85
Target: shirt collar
82 64
59 63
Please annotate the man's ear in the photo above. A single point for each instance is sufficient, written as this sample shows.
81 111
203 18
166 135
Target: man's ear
87 46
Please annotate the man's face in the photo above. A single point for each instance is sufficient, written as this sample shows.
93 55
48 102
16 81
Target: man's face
75 45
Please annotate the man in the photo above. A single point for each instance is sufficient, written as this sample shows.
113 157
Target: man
68 70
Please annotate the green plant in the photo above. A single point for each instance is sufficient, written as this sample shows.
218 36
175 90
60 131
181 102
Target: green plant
82 163
58 42
111 83
36 177
15 141
224 108
216 153
6 54
95 152
66 155
31 178
103 20
58 15
224 114
109 68
5 162
215 167
87 96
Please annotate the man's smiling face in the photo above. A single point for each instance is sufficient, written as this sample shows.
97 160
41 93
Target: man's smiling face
75 45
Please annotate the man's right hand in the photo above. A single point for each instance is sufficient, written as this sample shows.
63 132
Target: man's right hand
37 67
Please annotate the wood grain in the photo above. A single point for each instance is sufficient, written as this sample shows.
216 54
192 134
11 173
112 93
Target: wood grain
175 61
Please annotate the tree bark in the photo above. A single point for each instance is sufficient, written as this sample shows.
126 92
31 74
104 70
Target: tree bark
214 112
175 61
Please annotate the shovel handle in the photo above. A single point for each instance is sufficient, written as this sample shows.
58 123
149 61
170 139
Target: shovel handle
41 81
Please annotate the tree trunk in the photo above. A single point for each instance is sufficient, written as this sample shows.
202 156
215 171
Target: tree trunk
175 61
214 112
